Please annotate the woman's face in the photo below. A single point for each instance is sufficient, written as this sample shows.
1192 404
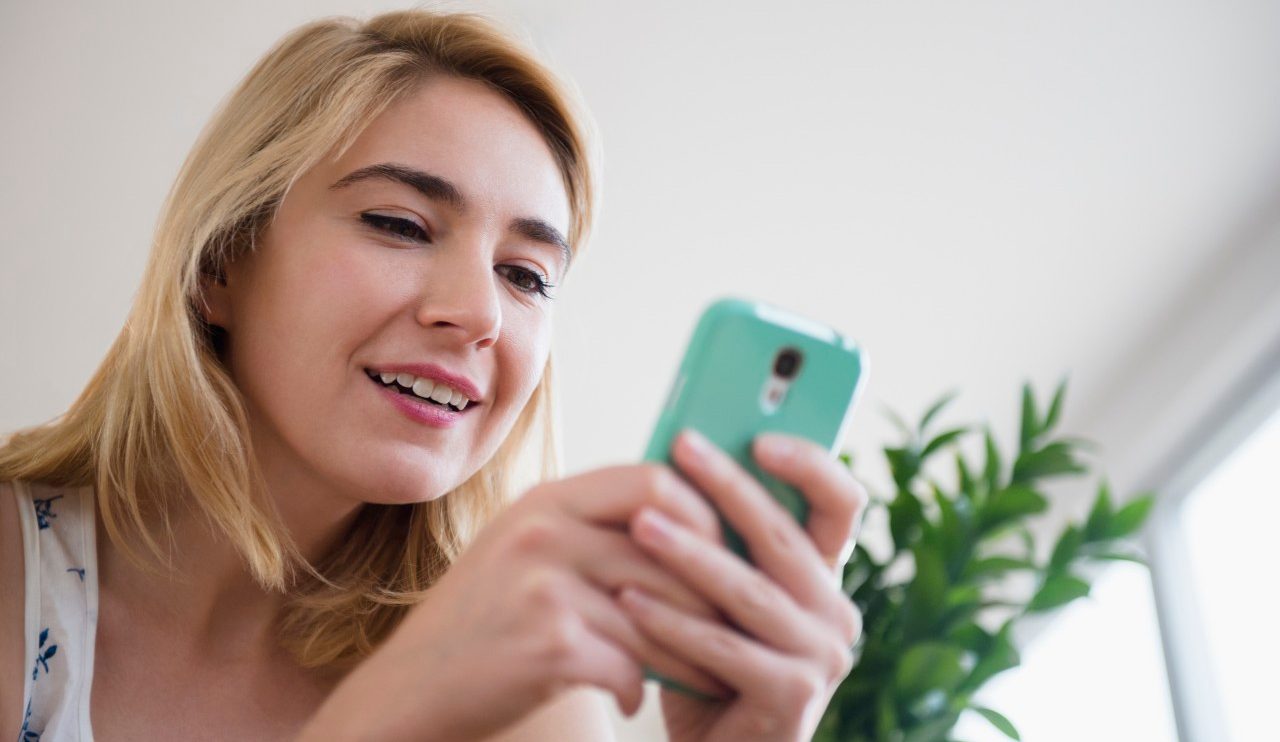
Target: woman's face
420 250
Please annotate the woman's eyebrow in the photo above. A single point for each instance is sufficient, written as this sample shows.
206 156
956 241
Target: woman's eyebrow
539 231
437 188
432 186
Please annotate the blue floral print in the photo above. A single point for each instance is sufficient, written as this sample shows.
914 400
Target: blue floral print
43 655
54 678
44 510
26 733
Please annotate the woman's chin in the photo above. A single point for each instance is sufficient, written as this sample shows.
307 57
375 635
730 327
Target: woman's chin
402 484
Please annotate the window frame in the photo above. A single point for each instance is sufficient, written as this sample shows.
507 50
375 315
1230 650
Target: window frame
1194 691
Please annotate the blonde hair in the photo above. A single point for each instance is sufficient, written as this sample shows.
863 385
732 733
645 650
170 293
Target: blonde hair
161 415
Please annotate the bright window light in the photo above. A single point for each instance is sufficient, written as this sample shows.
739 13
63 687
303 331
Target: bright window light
1227 521
1095 673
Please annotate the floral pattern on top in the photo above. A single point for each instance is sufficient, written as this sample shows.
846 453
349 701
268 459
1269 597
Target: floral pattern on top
43 654
44 510
51 700
26 733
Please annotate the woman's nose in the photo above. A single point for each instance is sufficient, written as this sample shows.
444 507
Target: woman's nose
462 297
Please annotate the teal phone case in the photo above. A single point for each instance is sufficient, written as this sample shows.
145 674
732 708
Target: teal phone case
719 391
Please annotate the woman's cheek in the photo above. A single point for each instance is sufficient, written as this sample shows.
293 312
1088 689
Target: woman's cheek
531 340
352 277
348 296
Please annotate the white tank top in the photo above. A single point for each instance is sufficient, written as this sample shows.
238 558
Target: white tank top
61 558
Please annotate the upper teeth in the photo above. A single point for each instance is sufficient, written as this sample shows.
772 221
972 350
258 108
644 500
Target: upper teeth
428 389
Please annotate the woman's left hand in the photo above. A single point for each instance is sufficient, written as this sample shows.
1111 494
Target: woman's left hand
797 627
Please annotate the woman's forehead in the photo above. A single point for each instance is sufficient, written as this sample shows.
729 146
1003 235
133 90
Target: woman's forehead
470 136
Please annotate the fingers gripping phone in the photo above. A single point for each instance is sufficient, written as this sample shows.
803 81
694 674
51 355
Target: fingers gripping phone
751 367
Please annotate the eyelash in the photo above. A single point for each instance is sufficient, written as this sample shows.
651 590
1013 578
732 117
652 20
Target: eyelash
396 227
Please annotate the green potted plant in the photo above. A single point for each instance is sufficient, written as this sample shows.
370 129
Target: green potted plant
933 638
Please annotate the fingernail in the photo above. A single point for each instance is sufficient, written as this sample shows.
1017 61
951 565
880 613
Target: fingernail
653 527
697 442
776 447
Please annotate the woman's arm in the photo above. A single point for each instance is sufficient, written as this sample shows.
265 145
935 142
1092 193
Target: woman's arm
575 716
12 634
527 615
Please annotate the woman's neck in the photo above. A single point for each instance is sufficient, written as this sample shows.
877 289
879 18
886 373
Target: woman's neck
208 594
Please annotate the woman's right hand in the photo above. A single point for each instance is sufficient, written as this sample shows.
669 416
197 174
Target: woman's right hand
526 611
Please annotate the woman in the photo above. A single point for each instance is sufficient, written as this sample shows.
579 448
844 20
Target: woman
335 377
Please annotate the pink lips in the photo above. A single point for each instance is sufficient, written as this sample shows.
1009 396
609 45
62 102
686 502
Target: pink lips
420 411
434 373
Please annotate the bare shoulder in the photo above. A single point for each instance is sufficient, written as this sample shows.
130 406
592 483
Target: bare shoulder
577 715
12 613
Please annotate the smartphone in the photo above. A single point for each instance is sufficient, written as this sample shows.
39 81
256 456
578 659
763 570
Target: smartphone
752 367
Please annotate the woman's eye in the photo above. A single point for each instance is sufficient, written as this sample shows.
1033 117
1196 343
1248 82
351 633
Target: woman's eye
403 228
528 281
525 280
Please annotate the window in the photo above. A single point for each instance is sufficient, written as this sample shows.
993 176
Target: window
1098 671
1095 673
1228 521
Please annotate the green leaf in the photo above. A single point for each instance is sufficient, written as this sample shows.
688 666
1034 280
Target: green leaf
965 478
991 471
846 458
963 595
1028 542
1055 407
1000 655
953 530
1058 590
1077 441
969 635
929 705
904 463
1009 503
1099 519
905 519
1055 459
941 440
886 716
1116 556
1130 518
898 422
934 730
995 566
929 666
1002 604
926 593
1066 549
999 722
1030 426
935 408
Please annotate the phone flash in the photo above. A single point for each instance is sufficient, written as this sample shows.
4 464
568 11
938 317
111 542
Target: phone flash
775 390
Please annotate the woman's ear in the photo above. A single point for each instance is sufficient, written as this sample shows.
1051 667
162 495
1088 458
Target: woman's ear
215 298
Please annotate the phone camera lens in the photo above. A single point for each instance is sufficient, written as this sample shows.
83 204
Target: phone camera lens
787 363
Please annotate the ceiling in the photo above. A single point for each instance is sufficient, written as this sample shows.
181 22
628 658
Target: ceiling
980 192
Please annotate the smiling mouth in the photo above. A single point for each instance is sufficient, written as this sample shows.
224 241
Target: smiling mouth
396 386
